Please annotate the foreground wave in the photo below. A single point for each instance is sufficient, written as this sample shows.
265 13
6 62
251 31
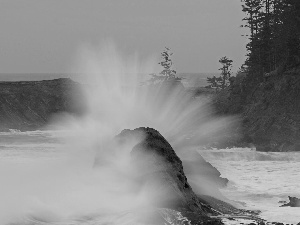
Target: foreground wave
244 154
148 216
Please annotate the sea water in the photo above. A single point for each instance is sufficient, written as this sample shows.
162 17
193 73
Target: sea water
260 180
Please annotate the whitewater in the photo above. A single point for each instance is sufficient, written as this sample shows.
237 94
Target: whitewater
257 180
260 180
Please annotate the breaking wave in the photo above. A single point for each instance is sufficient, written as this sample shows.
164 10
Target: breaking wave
247 154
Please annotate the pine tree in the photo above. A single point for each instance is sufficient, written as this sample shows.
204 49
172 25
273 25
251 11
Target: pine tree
225 71
274 35
212 81
168 73
222 81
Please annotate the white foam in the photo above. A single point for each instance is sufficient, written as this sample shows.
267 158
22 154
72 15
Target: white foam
260 182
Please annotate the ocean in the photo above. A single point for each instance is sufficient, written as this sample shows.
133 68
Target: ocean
42 178
260 180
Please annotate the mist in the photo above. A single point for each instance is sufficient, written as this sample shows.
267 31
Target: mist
95 175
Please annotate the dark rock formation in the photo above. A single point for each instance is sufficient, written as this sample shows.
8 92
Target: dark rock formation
160 169
294 202
269 110
27 105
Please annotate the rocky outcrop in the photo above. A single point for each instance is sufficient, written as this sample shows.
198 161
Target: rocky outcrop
269 111
294 202
160 170
28 105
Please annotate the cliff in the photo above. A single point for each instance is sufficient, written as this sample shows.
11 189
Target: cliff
269 110
28 105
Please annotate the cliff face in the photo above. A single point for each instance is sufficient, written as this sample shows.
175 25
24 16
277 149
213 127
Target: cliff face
270 111
28 105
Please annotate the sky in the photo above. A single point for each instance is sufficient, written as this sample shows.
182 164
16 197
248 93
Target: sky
43 36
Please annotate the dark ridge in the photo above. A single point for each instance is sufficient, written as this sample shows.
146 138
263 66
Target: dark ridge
29 105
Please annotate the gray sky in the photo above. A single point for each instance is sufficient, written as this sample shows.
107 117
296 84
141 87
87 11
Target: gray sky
44 35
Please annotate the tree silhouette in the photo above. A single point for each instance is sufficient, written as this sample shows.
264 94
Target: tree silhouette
222 81
168 73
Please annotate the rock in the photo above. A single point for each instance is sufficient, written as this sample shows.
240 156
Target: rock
294 202
28 105
160 170
282 202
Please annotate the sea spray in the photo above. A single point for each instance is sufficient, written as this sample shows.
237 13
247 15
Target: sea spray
71 187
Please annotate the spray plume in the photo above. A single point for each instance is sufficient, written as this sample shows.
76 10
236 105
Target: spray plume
115 100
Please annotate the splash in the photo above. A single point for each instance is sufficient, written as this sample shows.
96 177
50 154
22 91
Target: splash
115 100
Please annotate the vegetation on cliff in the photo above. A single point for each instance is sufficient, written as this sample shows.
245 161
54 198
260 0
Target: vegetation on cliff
265 91
223 80
274 39
168 74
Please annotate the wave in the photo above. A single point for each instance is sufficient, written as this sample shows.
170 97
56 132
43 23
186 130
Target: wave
29 133
140 217
245 154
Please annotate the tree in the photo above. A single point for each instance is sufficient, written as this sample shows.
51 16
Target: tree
168 73
223 80
225 71
212 81
274 35
251 8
